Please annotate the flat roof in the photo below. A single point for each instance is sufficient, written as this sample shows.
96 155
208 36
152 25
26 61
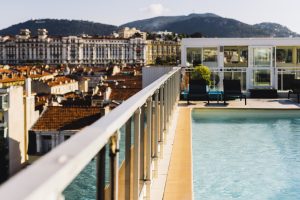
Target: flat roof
196 42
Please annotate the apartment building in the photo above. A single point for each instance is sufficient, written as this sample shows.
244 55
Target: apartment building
163 51
58 85
266 63
17 115
58 123
86 50
127 32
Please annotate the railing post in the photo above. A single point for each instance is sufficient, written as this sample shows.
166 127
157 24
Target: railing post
128 156
178 85
100 159
165 106
142 144
173 90
156 133
148 146
114 162
169 101
136 165
172 93
156 125
161 112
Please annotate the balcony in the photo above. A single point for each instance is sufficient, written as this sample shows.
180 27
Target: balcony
3 102
146 123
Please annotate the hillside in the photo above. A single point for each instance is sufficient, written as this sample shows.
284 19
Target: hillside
210 25
61 27
276 30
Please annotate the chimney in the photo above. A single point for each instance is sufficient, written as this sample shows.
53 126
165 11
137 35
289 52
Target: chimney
104 110
28 86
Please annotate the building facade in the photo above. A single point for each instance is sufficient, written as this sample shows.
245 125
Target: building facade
267 63
17 115
127 32
165 51
58 85
85 50
58 123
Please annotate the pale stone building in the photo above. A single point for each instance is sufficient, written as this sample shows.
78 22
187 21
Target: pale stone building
86 50
127 32
17 115
58 85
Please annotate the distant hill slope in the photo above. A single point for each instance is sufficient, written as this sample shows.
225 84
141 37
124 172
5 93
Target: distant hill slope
210 25
61 27
276 30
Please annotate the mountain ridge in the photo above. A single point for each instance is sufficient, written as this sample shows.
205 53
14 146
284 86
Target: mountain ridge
61 27
209 24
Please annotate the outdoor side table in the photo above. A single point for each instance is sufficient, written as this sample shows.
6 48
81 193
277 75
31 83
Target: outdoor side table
217 94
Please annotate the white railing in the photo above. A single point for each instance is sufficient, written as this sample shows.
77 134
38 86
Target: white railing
50 175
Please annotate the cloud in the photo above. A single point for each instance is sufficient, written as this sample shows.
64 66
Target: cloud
155 9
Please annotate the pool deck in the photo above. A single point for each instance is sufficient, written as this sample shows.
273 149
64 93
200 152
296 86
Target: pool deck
251 104
179 179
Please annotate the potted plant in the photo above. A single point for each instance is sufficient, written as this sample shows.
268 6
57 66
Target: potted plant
200 75
199 80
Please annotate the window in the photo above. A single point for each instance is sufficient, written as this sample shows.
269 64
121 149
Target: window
284 55
262 57
194 56
298 55
235 56
210 55
261 78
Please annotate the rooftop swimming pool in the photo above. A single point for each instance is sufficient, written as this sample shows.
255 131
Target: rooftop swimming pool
246 154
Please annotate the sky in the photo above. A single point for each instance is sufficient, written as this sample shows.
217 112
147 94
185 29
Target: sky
117 12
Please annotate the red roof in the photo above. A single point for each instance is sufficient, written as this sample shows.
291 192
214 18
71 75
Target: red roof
57 118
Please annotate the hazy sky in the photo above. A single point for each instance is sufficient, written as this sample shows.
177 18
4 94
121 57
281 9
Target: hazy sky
117 12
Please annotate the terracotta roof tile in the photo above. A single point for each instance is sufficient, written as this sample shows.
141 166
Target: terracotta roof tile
122 94
57 118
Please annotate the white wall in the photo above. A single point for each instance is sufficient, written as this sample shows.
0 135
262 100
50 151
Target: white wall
150 74
16 131
64 88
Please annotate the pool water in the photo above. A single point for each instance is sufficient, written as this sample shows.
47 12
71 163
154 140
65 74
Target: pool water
246 154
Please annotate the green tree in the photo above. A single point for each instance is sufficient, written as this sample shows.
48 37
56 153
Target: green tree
196 35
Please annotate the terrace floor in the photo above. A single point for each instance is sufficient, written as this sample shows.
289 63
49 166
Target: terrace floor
179 179
251 103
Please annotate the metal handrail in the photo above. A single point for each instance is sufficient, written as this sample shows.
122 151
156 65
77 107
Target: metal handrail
51 174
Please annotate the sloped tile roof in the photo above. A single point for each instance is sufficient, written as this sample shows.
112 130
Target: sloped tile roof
57 118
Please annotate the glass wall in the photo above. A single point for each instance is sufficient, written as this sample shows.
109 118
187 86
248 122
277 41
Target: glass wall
215 80
209 54
235 56
284 55
194 56
262 77
286 76
210 57
236 75
262 57
205 56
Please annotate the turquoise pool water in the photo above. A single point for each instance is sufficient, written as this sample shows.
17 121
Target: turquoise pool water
246 154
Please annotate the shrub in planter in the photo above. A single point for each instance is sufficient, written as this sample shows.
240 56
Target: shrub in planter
201 73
